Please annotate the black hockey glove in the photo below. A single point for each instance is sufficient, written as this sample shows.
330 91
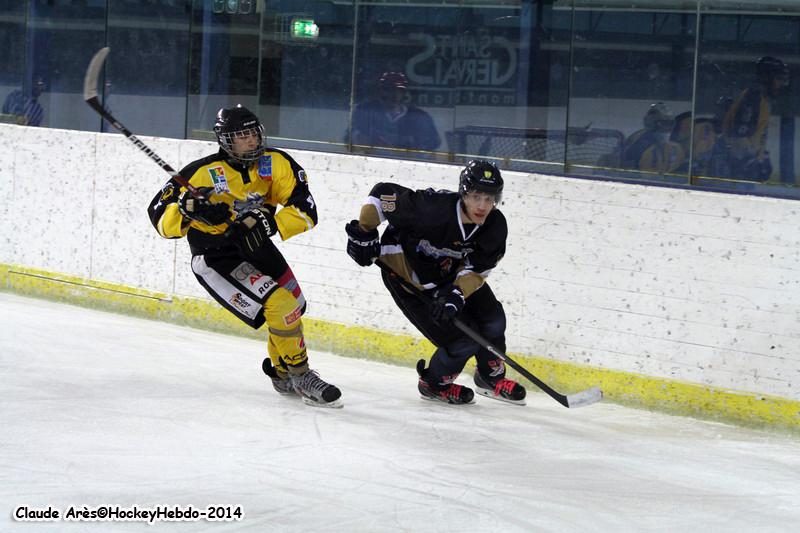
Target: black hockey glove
253 229
201 209
363 246
447 304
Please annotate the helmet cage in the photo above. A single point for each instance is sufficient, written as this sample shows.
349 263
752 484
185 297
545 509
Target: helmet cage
238 123
248 157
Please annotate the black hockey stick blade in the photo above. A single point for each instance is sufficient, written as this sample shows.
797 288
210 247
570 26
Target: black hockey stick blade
578 399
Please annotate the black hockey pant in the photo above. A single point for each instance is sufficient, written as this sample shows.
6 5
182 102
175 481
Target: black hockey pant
482 312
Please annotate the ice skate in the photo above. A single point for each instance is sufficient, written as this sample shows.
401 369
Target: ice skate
502 389
450 393
315 391
282 384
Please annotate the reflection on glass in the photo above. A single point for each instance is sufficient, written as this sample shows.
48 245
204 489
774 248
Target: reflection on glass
61 35
744 85
517 113
687 92
307 71
742 149
13 85
390 120
145 80
223 65
404 80
632 79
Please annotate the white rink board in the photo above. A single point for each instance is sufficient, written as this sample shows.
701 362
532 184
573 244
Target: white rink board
701 287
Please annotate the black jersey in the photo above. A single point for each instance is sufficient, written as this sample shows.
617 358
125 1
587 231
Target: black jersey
427 228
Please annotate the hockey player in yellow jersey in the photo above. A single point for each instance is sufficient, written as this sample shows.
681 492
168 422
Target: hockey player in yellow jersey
230 227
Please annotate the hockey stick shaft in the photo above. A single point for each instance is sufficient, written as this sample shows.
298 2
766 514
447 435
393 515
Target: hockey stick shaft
91 97
579 399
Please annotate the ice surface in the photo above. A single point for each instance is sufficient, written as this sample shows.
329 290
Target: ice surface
98 408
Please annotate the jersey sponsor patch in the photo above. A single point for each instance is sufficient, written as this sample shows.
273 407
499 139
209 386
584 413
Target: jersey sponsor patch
218 178
265 167
388 202
253 201
250 277
243 304
166 193
296 359
425 247
292 317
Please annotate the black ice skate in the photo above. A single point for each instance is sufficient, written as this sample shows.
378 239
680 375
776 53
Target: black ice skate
315 391
282 385
502 389
450 393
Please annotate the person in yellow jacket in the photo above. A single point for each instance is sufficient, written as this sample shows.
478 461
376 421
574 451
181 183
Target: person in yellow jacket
650 149
745 125
230 226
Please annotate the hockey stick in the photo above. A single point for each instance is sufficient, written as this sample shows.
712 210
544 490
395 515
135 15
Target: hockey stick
90 95
579 399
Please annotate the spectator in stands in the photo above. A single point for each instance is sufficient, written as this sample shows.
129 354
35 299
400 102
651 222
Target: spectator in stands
26 109
650 149
741 152
699 137
388 120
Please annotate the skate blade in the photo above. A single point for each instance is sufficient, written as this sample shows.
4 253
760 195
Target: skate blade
442 402
335 404
490 394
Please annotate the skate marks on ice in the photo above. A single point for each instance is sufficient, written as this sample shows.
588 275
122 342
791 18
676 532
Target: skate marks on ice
105 409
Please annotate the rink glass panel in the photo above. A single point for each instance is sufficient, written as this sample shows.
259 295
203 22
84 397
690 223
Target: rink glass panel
557 85
12 33
246 53
730 44
60 36
145 78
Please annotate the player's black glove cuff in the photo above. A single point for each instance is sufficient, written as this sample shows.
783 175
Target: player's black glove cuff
253 228
202 209
448 301
363 246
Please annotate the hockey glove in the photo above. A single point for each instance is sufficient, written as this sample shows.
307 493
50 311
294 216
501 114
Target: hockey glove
254 228
202 209
447 303
363 246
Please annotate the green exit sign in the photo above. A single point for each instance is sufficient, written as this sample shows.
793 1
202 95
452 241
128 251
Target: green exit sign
304 29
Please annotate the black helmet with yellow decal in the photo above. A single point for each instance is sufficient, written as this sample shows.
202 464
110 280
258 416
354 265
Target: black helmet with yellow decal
482 176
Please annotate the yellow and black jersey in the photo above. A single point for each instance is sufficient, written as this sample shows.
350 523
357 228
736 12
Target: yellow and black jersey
276 180
644 151
745 123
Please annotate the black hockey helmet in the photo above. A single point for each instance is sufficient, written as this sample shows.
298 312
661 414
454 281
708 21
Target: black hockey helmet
658 118
482 176
233 122
393 80
769 68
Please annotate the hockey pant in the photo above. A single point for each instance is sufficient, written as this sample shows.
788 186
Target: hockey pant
241 286
482 312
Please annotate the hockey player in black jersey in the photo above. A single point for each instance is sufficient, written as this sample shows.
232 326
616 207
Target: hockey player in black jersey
446 244
230 230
